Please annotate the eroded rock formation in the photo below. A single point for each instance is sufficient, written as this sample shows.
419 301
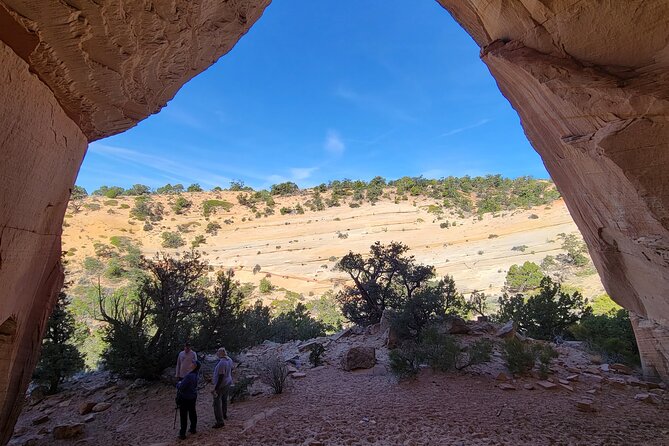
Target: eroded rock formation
72 72
588 79
591 85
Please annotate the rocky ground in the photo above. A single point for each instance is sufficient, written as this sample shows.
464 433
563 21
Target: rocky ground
582 402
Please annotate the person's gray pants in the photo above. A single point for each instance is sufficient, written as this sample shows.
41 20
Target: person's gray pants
221 403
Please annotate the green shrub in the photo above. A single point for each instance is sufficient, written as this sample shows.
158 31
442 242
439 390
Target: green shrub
209 206
92 206
59 359
194 188
274 372
523 278
198 240
519 356
315 357
265 286
92 265
520 248
545 315
124 206
285 210
212 228
286 188
110 202
114 269
444 225
609 334
181 204
240 389
172 240
404 361
145 209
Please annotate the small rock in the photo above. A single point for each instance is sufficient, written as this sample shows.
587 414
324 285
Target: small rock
68 431
566 386
503 377
86 408
38 394
547 385
585 406
101 407
505 386
573 377
291 369
645 397
528 386
563 381
591 391
621 368
89 418
40 420
604 367
297 375
65 403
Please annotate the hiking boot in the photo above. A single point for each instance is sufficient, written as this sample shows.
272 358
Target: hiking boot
182 436
193 431
218 425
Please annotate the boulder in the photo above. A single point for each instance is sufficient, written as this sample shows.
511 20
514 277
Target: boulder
506 386
507 331
456 325
68 431
359 358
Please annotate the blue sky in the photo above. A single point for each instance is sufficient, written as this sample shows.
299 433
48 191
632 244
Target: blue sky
321 90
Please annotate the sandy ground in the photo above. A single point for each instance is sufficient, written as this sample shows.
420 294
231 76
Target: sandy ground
296 249
370 407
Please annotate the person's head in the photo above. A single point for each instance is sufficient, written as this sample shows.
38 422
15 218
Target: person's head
221 353
186 346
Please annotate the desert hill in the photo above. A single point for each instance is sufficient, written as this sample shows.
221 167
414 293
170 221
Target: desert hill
297 251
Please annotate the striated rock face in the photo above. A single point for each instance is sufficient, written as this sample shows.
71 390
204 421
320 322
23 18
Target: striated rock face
590 83
72 72
111 64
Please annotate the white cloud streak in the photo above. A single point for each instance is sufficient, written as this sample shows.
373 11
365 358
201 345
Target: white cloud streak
334 144
465 128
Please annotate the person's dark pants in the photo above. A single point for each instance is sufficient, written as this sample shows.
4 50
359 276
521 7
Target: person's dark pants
187 410
221 403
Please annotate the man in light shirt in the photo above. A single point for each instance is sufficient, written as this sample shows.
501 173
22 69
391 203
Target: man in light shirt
185 361
222 385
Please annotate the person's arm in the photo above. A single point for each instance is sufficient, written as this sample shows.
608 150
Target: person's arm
216 372
176 372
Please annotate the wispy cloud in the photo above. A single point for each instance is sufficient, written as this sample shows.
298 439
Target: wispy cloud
182 117
465 128
333 143
372 103
174 169
302 173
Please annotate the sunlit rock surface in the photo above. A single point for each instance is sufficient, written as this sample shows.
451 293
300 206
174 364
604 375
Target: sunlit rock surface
590 83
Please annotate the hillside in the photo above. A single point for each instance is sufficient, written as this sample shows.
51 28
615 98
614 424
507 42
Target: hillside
299 250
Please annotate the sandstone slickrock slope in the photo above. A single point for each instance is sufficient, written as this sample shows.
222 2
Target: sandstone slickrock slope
590 83
589 80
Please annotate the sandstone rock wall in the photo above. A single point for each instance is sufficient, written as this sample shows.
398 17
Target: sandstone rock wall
72 72
40 156
590 83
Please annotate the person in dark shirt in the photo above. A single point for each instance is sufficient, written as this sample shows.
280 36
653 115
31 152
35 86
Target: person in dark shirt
186 398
